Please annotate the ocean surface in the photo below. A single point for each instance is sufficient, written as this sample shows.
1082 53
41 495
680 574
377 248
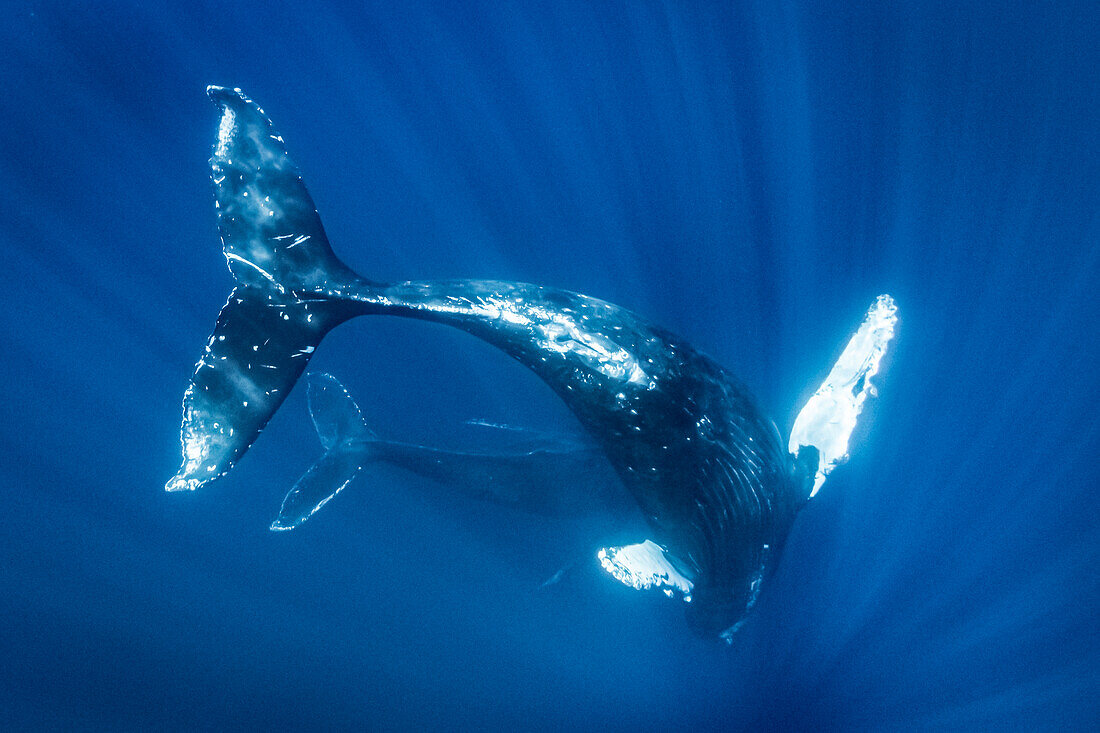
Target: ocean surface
749 175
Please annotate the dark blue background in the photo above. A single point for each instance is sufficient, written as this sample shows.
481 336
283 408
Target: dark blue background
747 174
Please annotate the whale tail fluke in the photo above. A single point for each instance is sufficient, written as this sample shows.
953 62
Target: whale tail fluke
270 230
344 436
334 412
286 299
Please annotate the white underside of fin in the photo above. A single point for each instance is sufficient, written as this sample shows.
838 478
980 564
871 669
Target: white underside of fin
829 417
644 566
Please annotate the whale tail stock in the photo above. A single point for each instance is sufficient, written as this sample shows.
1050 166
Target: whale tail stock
343 434
286 299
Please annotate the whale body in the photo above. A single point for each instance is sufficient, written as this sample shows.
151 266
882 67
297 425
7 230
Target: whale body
531 472
711 474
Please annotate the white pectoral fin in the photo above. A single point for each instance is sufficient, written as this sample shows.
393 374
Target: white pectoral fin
829 417
645 565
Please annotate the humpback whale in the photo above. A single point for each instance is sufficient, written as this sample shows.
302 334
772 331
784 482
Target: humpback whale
718 488
530 471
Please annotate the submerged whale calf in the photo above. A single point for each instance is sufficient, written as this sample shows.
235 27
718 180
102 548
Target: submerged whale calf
550 476
718 488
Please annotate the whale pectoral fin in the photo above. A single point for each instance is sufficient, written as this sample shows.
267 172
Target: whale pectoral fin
646 565
829 417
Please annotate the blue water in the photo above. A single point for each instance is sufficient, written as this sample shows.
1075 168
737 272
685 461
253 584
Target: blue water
749 175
